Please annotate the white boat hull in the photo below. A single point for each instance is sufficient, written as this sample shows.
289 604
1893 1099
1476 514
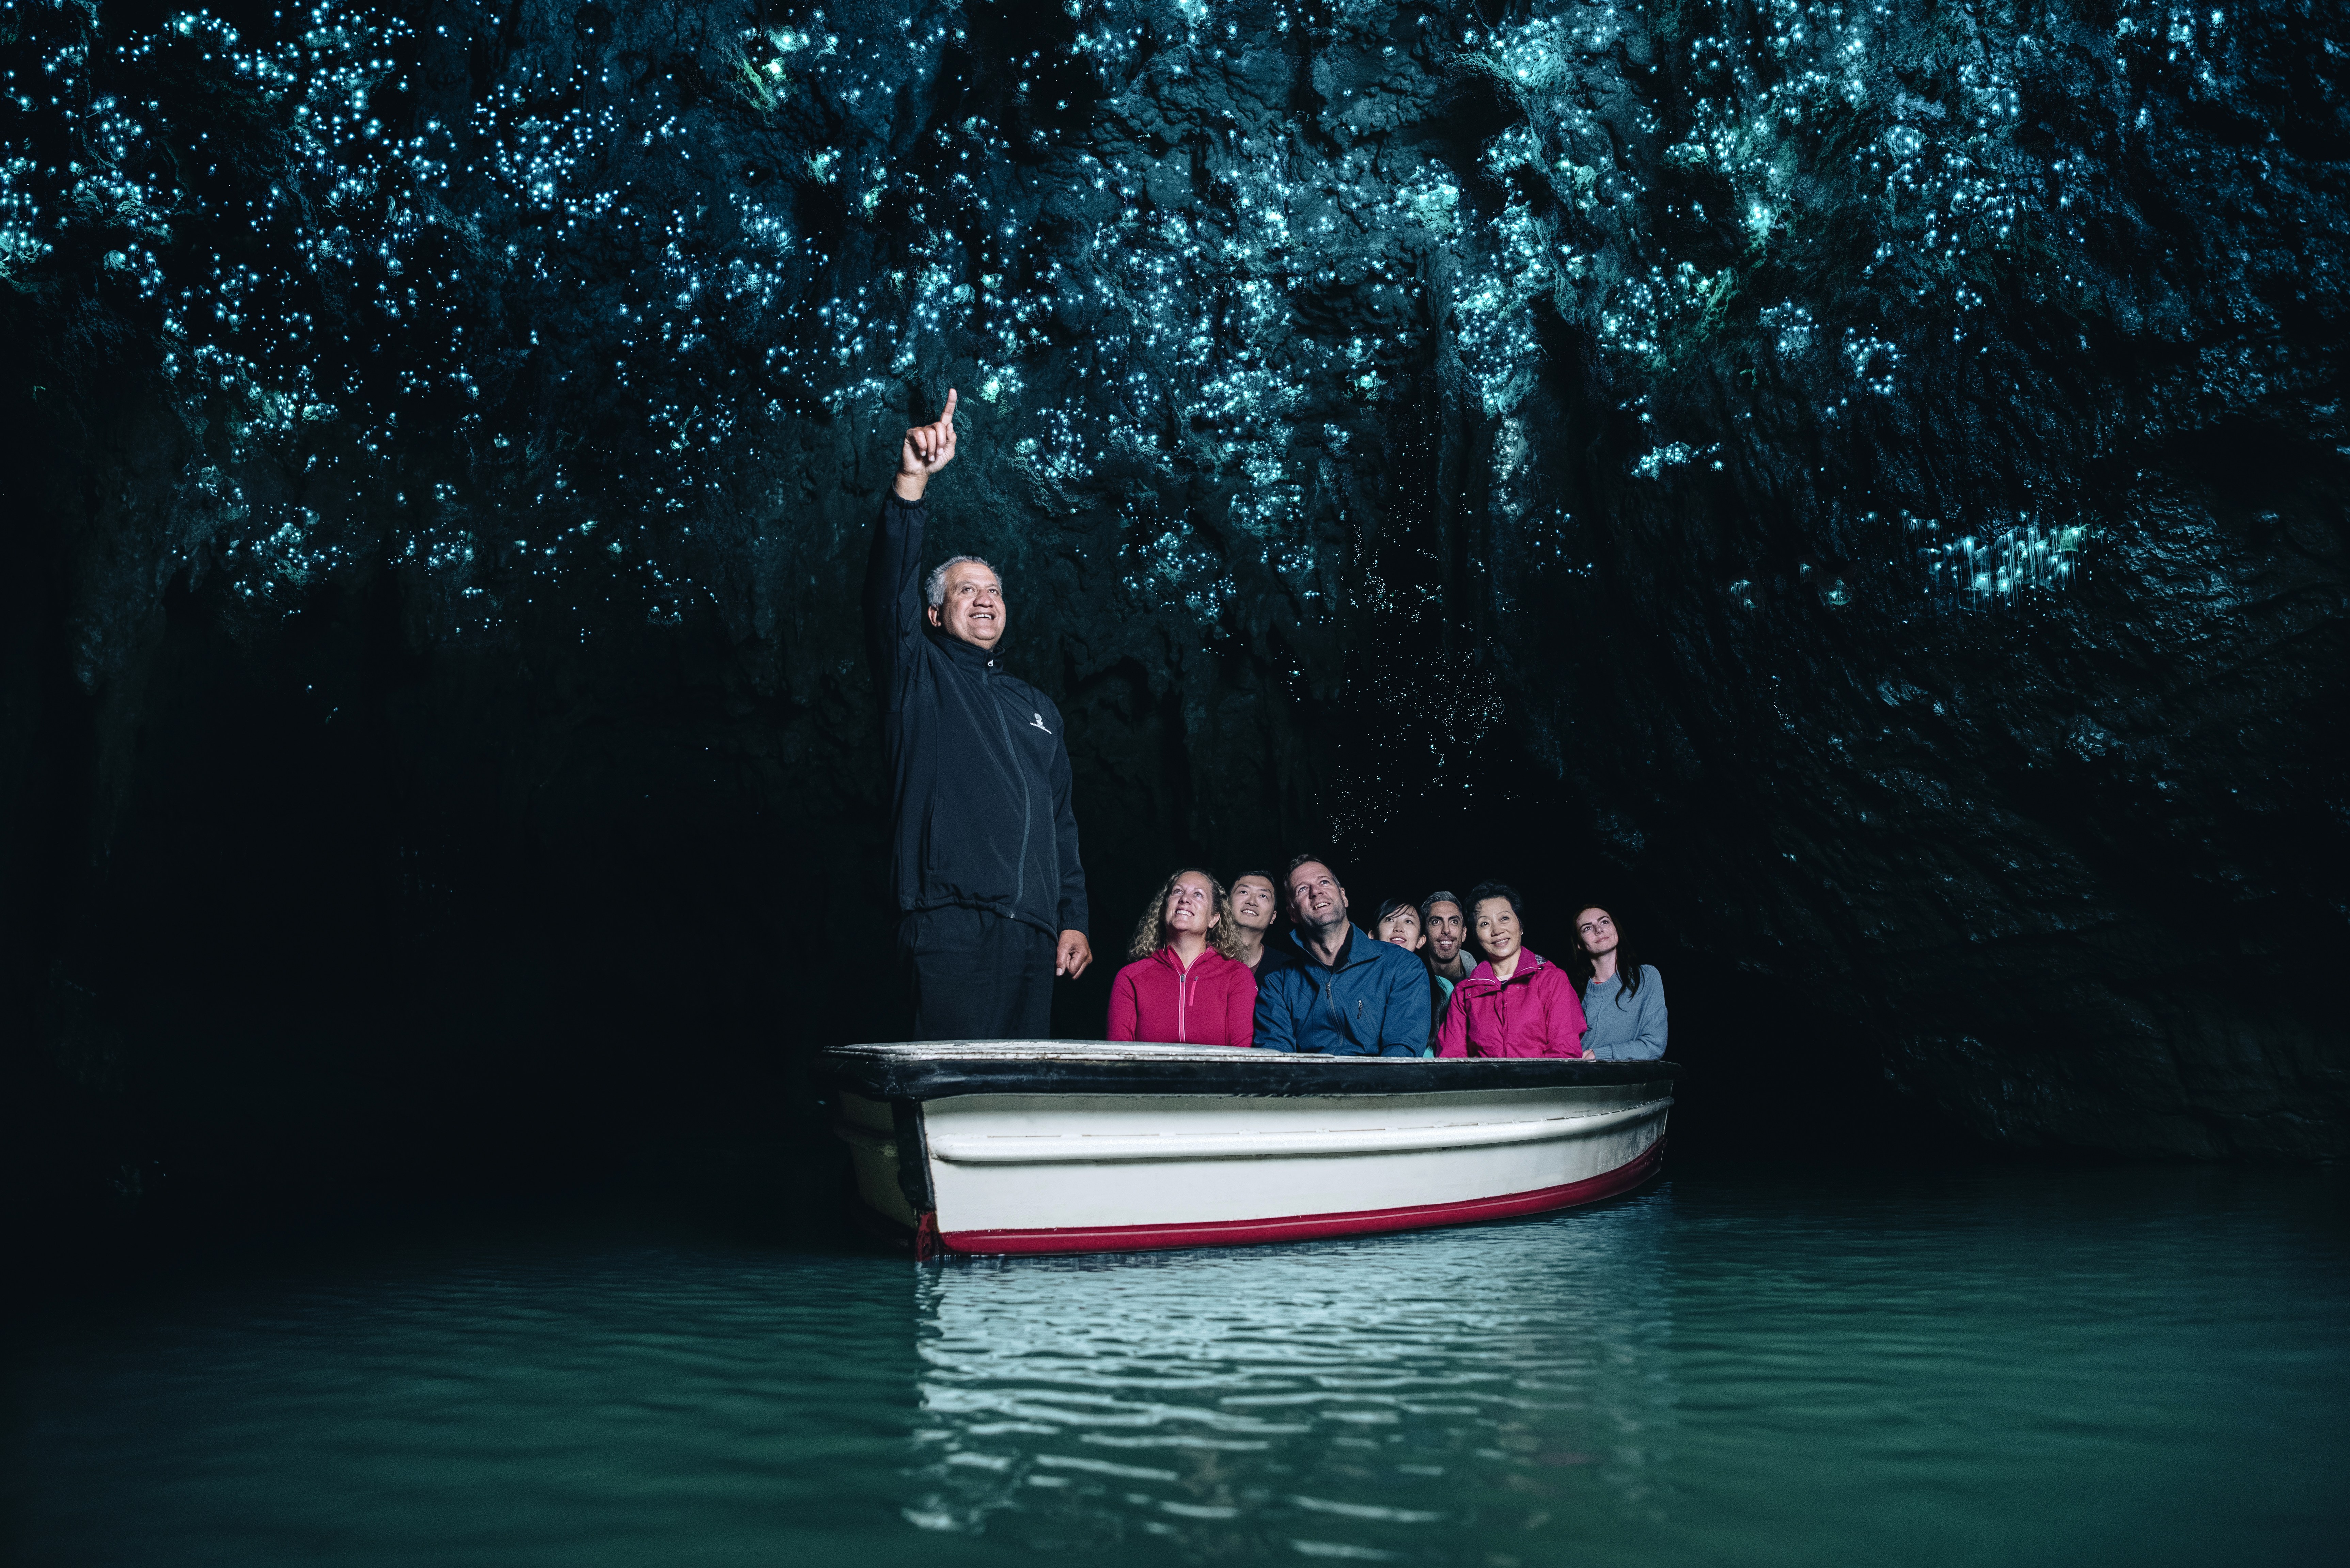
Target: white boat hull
1044 1149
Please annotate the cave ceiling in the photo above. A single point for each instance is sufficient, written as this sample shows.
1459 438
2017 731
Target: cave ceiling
1869 479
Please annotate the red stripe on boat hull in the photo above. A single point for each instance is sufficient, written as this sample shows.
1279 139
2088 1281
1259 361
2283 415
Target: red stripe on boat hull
1304 1227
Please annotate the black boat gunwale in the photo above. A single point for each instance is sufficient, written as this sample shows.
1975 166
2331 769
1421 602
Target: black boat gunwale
937 1073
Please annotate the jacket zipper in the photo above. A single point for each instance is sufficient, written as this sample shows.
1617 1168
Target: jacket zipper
1501 995
1184 1009
1329 989
1330 992
1027 813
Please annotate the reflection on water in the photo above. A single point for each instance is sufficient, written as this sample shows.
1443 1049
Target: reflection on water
1329 1398
2022 1366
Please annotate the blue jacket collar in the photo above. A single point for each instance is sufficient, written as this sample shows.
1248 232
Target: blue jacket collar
1350 954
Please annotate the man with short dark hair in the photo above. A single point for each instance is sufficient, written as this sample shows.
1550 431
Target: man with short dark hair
990 897
1349 995
1254 904
1443 928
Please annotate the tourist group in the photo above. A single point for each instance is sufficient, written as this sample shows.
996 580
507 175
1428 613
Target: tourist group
991 897
1208 970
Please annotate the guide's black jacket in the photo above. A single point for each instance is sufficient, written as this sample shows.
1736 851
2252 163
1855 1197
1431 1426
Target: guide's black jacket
979 777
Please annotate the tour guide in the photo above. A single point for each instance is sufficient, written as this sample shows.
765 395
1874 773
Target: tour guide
984 857
1349 995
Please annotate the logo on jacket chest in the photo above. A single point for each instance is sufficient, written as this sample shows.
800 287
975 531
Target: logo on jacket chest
1037 722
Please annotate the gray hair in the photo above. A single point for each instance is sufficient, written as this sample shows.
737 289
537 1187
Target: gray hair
934 587
1438 897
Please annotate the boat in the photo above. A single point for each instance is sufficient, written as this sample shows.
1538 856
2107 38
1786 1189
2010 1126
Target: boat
1039 1146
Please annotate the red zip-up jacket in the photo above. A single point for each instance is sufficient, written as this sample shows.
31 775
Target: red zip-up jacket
1213 1004
1535 1012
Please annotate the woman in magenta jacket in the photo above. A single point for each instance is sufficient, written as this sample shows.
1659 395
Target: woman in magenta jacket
1515 1003
1185 986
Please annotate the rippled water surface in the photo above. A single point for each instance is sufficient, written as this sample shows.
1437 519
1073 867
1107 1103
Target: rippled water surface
2013 1366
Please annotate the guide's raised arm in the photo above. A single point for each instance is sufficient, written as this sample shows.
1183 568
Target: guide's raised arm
893 576
926 449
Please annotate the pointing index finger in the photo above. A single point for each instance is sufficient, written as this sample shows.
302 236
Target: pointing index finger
948 418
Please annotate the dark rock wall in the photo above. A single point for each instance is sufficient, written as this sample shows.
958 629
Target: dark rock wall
1861 488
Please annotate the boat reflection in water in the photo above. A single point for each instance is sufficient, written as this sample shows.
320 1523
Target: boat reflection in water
1403 1396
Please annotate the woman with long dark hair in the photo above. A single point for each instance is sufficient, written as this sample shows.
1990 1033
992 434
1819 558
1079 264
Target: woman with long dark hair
1399 923
1623 999
1185 986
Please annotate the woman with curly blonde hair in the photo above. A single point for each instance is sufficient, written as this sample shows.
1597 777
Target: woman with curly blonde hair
1185 986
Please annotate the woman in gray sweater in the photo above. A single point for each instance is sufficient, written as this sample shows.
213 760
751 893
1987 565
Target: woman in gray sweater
1623 999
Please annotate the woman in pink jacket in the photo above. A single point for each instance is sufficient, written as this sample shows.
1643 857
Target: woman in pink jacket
1515 1003
1185 986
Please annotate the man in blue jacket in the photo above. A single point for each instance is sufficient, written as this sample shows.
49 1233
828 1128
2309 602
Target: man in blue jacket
990 897
1349 995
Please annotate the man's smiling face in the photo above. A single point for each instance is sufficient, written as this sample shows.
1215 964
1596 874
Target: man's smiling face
1447 930
1252 902
1316 899
973 610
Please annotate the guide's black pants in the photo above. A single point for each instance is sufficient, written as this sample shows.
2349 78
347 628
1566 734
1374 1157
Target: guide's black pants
976 976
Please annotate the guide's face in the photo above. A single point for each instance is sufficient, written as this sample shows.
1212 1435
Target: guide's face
1253 903
1191 905
1314 896
1497 929
1596 930
973 610
1402 927
1447 930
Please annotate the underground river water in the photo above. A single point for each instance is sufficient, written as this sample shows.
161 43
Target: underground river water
2052 1366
